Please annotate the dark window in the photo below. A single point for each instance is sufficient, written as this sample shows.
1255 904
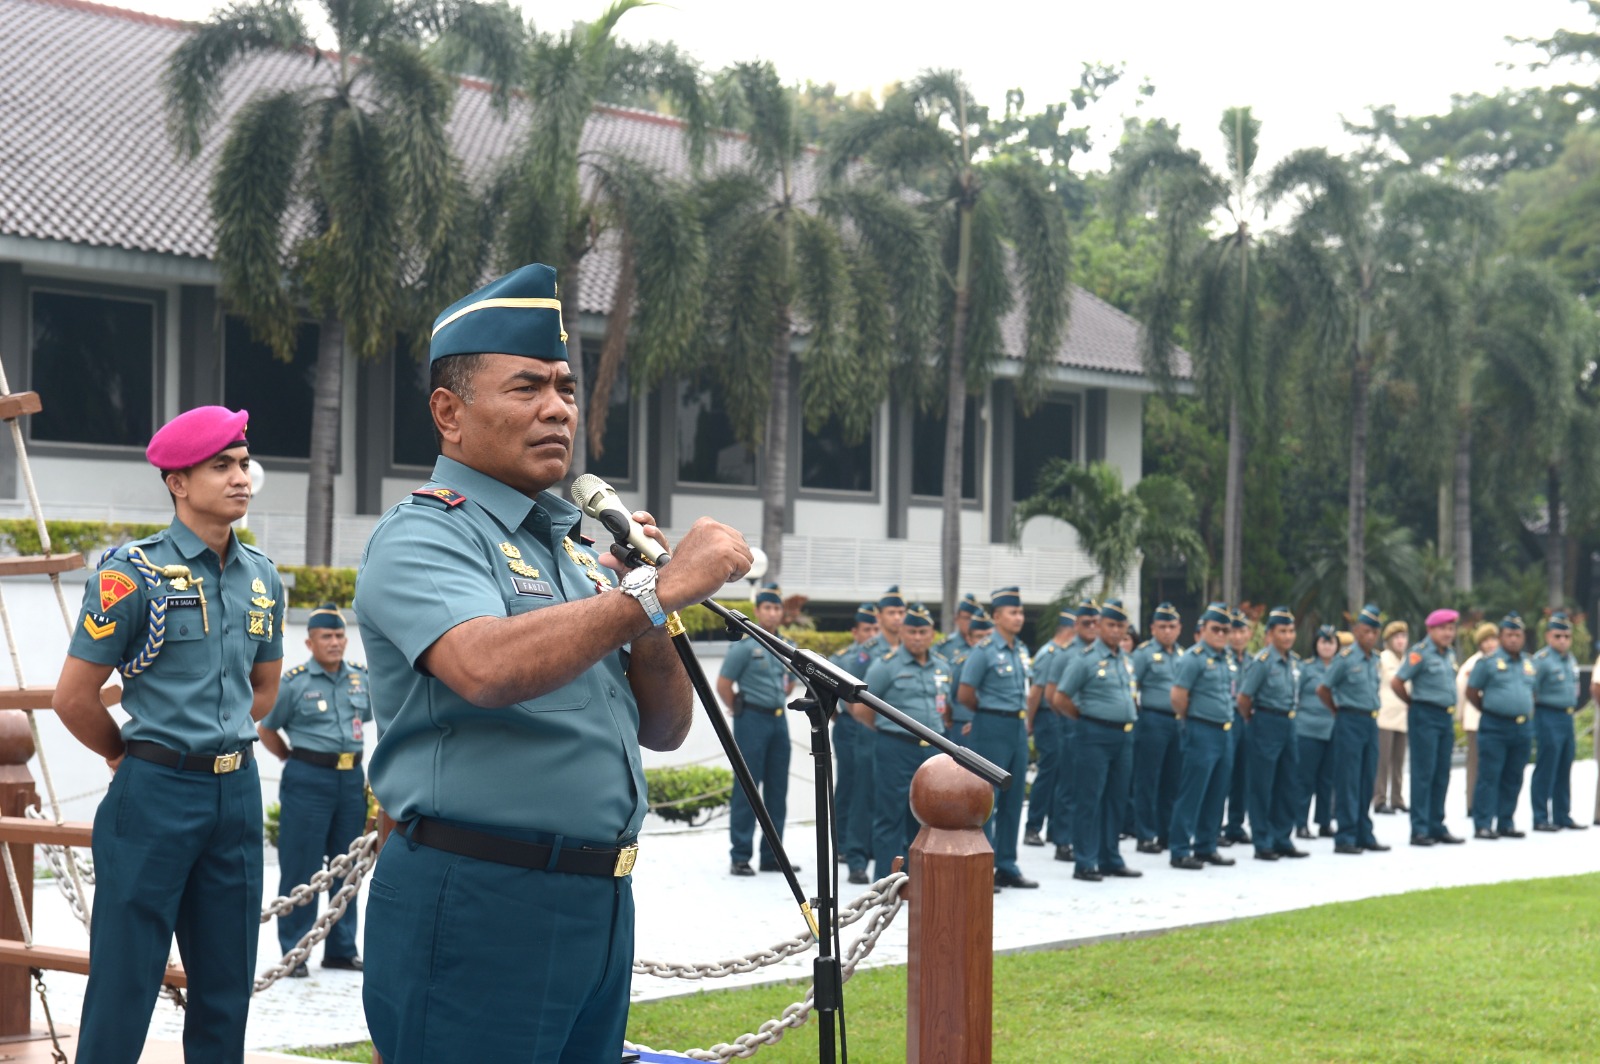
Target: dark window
414 443
828 463
927 453
708 450
615 462
1051 432
94 368
278 394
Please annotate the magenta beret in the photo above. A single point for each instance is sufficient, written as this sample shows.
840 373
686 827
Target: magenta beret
1438 617
195 435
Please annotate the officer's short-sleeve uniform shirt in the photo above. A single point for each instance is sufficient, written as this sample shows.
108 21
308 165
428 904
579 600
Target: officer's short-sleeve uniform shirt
323 711
1431 671
759 674
1044 662
1100 683
1555 678
1312 720
1353 679
1506 683
1153 668
1272 680
566 762
999 672
919 690
853 659
195 697
1209 677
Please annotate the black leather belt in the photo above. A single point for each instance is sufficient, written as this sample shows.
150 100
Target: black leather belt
1515 719
342 762
1275 712
1153 709
609 861
905 737
1220 725
1423 703
1363 712
1020 714
1565 711
217 764
1119 725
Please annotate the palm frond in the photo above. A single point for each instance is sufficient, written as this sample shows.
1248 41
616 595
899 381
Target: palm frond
193 78
416 99
1037 226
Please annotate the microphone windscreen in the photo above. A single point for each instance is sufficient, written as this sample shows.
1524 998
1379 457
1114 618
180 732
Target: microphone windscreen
586 488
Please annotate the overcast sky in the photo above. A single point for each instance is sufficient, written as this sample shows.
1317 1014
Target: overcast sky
1301 65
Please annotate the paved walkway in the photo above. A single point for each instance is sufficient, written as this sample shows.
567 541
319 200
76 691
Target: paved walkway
690 910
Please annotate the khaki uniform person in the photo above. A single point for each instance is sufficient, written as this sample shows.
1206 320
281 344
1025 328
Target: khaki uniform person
1487 639
1389 794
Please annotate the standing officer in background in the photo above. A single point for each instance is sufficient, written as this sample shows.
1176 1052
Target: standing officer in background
1203 698
513 685
1096 691
1157 748
1234 829
761 731
1486 638
1501 687
1430 667
891 614
194 618
1555 700
1313 735
979 628
1045 725
323 795
994 684
966 609
916 681
1269 698
1350 690
1064 805
853 750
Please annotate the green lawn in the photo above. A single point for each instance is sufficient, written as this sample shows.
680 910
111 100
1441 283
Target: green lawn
1499 973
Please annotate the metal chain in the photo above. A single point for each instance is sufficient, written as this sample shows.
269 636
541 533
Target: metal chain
57 1054
352 866
882 900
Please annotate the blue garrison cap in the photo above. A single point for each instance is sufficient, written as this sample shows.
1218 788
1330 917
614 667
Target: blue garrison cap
1559 622
1088 608
1005 596
969 604
1111 610
866 613
1067 619
517 314
1512 620
1370 616
981 623
326 615
1166 612
1328 631
1237 619
917 616
892 597
1280 615
769 593
1218 613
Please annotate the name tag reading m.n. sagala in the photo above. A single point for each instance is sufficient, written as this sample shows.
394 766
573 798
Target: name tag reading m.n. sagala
536 588
180 602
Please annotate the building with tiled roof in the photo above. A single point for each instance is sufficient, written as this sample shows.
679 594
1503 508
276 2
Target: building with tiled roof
109 308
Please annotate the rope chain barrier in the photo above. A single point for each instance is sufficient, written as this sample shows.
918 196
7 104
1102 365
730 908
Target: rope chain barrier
881 903
352 866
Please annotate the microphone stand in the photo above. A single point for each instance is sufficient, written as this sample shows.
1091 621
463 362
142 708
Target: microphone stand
829 685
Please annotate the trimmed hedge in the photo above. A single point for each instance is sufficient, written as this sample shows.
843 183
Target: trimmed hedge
20 535
314 585
689 793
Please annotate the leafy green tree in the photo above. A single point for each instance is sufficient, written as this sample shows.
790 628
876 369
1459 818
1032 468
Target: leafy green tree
844 278
1367 259
339 194
1117 528
1002 230
1554 213
550 216
1213 285
1481 137
1394 571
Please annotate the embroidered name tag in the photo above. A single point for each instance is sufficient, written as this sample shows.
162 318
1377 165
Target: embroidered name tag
182 602
537 588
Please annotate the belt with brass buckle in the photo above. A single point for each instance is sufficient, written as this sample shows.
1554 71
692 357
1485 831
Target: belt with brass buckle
216 764
626 858
344 761
610 861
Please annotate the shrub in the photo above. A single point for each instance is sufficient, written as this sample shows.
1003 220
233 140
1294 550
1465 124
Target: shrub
314 585
686 792
20 535
270 822
699 622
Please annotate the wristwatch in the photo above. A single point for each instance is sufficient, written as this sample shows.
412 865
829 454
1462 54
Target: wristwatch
640 585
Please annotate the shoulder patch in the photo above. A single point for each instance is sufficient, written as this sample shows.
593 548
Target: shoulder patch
448 496
296 671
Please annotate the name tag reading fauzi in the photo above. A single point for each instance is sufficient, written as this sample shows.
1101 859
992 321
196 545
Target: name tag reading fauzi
182 602
536 588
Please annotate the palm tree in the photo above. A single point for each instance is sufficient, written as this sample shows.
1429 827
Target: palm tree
1117 528
1001 227
550 217
1214 285
1395 570
1367 261
847 279
338 194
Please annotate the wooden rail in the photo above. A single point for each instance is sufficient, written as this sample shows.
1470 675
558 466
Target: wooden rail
27 830
42 697
35 564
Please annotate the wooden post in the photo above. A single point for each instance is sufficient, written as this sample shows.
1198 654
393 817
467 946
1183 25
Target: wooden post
950 970
17 795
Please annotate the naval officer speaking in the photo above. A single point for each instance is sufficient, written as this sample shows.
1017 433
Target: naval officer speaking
514 683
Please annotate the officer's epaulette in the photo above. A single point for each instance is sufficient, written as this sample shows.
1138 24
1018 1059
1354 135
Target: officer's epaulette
889 655
1198 648
983 642
1542 652
1141 646
252 548
296 671
1294 655
1347 651
448 497
1261 656
355 665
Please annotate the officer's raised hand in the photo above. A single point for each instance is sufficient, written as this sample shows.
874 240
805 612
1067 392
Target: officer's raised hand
710 555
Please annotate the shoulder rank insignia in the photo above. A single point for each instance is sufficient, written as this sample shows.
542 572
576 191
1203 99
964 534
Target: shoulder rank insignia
1347 651
450 498
296 671
515 563
1261 656
114 587
98 627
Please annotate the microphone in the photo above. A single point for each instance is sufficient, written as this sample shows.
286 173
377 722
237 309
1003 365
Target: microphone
600 501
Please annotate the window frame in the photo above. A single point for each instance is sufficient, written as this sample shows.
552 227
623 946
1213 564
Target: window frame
874 494
280 462
1077 402
698 487
980 457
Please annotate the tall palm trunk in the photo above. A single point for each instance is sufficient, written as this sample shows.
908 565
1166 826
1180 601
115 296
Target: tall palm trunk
1463 503
955 426
1555 553
1233 506
775 458
1360 381
571 282
612 349
326 401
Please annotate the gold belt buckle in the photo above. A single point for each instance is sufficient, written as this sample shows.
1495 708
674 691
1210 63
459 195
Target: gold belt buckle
1291 714
346 761
1127 727
226 763
1228 726
626 857
1022 714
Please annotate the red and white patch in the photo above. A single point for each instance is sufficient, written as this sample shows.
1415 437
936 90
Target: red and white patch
114 587
355 729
